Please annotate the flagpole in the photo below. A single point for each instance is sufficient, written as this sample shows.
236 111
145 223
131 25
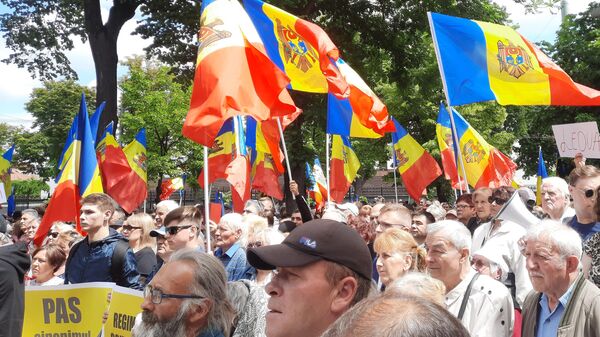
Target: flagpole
394 168
327 146
285 153
236 130
442 74
206 202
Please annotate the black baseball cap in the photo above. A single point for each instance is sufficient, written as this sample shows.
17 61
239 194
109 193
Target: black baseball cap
313 241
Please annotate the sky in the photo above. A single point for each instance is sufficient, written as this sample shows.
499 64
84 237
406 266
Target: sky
18 84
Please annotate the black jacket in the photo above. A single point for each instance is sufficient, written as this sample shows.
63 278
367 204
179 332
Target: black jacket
14 263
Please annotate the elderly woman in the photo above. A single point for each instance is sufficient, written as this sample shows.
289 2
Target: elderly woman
46 261
397 252
137 230
264 237
230 251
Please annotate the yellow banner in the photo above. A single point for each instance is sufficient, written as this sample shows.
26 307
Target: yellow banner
80 310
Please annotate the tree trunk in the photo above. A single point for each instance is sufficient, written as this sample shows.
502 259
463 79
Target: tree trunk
103 43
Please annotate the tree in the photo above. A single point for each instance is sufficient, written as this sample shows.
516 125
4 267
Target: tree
30 187
53 107
152 99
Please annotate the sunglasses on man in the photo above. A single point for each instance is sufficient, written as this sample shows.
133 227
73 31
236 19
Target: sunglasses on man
498 201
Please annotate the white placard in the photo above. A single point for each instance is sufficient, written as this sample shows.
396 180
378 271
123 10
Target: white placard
577 137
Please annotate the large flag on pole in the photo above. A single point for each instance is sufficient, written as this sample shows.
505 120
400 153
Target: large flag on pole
116 173
220 154
361 114
485 165
5 181
416 166
233 75
80 177
344 167
541 174
135 152
443 131
169 186
95 120
299 48
316 183
481 61
238 170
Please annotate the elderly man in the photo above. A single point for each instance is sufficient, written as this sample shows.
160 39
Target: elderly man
503 237
556 199
162 209
564 302
30 221
230 238
583 182
393 215
482 304
187 298
322 269
483 206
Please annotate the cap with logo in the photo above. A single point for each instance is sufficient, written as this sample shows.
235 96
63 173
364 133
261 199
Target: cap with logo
313 241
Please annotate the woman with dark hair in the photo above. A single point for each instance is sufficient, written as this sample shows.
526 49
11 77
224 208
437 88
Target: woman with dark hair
46 261
591 250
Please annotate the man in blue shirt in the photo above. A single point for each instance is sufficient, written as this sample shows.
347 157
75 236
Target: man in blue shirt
564 303
229 249
583 182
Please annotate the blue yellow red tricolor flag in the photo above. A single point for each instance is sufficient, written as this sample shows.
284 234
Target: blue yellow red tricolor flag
234 75
443 131
220 154
416 166
541 174
238 171
136 154
361 114
116 173
95 120
79 177
265 176
344 167
481 61
485 165
170 185
5 181
316 183
299 48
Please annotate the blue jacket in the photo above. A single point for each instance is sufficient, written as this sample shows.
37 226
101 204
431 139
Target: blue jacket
92 262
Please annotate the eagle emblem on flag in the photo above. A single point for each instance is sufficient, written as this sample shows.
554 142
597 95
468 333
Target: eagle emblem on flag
513 59
296 50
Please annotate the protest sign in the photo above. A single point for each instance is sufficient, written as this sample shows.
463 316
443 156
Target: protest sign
124 306
577 138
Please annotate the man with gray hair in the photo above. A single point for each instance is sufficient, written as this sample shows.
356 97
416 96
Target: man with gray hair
564 303
482 304
556 198
30 221
187 298
162 209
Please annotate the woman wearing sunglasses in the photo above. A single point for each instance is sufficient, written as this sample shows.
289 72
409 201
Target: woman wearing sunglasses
45 263
137 230
503 236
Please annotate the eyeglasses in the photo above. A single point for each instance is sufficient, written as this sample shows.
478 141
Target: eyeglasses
255 244
156 295
498 201
130 228
175 229
53 234
587 192
463 206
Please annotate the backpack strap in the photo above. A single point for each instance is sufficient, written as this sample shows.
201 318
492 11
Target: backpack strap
117 261
466 296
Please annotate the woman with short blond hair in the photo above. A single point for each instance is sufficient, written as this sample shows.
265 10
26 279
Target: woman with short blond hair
397 253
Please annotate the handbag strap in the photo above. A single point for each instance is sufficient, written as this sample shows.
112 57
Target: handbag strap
466 296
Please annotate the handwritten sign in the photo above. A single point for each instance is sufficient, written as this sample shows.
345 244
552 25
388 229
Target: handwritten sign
577 138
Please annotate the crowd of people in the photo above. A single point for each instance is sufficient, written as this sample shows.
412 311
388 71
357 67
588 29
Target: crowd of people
353 269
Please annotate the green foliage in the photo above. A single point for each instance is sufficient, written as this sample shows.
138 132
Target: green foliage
30 187
152 99
53 107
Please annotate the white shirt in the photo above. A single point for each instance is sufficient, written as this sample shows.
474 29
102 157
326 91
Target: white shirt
505 238
489 311
54 281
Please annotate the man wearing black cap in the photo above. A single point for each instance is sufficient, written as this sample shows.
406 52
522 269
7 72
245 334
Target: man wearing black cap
322 269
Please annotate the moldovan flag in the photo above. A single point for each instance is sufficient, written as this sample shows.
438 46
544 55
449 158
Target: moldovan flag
220 154
80 177
115 170
138 177
233 75
299 48
416 166
344 166
265 176
5 181
481 61
485 166
95 121
317 184
101 143
238 170
541 174
443 130
169 186
361 114
217 208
